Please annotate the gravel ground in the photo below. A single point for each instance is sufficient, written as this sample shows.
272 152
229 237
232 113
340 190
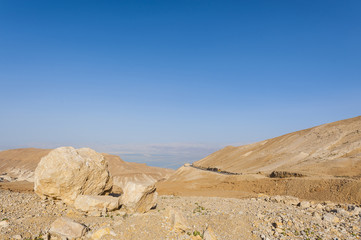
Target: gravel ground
25 216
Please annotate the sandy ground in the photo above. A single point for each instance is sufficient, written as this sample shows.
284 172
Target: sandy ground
194 182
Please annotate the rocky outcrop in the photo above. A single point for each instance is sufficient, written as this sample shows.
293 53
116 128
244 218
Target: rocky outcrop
139 198
89 203
66 228
66 173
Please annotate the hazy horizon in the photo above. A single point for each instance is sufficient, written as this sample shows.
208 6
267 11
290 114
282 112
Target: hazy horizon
166 83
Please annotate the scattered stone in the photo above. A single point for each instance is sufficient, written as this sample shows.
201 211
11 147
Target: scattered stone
318 207
329 217
290 200
32 218
356 211
89 203
139 198
67 228
304 204
316 215
66 173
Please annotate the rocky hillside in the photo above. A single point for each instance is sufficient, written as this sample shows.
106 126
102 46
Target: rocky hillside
20 164
25 216
330 149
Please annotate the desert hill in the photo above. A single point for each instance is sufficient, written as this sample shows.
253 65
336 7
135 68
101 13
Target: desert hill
20 164
320 163
330 149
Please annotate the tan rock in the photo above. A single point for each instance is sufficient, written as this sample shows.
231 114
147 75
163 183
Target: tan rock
290 200
99 234
139 198
304 204
4 223
73 214
209 234
177 220
329 217
66 173
88 203
196 237
66 228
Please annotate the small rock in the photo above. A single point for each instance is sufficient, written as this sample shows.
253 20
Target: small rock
277 199
356 211
209 234
102 232
67 228
318 207
291 200
95 213
316 215
263 237
304 204
177 221
329 217
16 237
4 223
342 212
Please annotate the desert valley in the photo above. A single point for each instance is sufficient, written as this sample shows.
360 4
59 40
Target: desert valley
302 185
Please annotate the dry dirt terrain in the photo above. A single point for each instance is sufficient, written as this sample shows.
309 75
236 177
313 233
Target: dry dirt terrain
320 163
303 185
25 216
330 149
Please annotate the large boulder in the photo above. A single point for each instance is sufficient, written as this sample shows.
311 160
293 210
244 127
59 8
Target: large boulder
66 173
138 197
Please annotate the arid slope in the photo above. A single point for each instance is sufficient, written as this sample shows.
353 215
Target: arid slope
330 149
328 158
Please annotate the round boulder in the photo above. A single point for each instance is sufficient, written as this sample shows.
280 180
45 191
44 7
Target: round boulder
66 173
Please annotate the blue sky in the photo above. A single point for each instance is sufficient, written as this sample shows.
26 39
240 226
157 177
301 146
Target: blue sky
168 82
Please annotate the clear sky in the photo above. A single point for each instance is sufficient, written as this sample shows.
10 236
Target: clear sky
168 82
